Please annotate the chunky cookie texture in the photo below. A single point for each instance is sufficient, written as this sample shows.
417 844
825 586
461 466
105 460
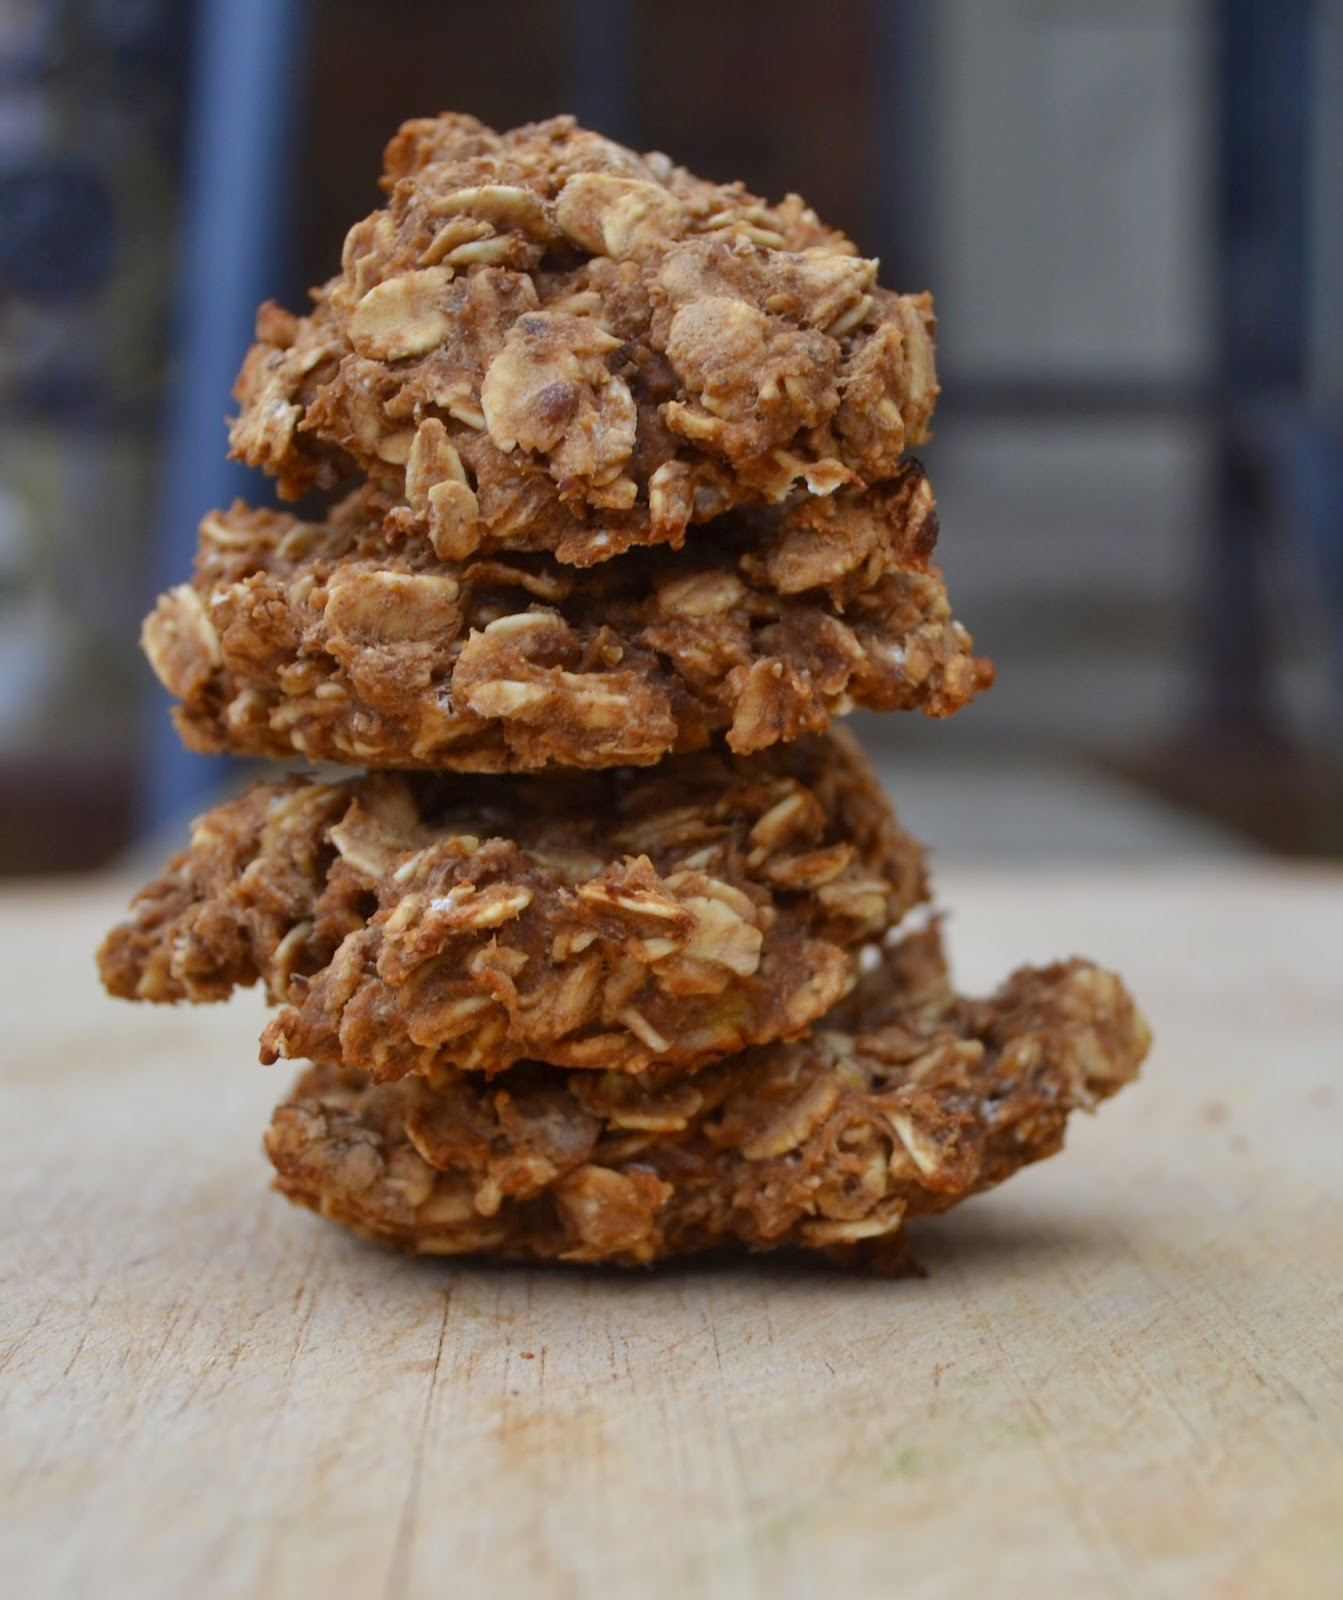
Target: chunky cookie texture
896 1108
329 640
607 956
547 342
603 921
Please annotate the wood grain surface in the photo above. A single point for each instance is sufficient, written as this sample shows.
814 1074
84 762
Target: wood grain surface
1123 1374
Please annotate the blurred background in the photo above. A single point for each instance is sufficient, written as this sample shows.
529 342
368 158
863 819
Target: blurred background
1131 214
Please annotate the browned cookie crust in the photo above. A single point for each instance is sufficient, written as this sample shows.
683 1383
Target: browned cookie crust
832 1142
548 342
323 639
607 920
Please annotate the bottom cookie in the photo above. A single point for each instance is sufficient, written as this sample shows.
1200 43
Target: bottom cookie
909 1100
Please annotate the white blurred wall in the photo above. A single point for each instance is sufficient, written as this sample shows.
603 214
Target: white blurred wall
1071 212
1073 186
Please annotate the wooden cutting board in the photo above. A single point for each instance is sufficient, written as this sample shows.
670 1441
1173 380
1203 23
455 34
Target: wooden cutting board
1122 1375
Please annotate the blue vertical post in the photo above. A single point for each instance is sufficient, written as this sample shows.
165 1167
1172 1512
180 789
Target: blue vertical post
900 95
244 94
1262 84
601 67
1264 119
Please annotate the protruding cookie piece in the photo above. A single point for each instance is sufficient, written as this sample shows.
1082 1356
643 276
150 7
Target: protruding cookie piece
548 342
327 640
831 1143
602 921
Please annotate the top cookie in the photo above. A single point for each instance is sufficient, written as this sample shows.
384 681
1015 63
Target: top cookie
547 341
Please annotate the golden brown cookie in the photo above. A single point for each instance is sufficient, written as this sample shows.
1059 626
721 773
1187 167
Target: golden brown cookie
327 640
548 342
597 920
831 1143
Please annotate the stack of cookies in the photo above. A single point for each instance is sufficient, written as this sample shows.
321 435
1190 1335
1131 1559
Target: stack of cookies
615 949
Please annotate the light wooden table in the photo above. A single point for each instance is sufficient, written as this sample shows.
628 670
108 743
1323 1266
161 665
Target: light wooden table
1122 1376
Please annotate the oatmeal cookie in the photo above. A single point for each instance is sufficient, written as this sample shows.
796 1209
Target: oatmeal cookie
547 342
327 640
831 1143
594 920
